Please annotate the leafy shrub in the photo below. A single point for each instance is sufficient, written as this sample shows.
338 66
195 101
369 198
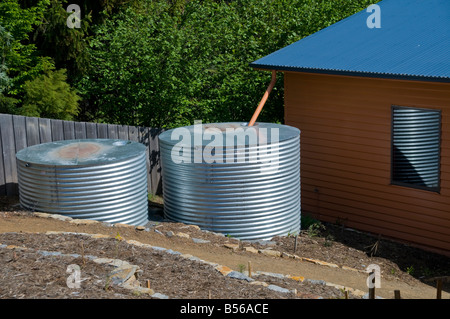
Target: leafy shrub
50 96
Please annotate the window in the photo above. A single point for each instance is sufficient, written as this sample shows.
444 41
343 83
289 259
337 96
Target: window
416 137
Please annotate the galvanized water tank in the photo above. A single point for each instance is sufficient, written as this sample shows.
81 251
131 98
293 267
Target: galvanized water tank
100 179
230 178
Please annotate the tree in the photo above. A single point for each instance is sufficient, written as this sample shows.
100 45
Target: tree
49 95
21 58
167 63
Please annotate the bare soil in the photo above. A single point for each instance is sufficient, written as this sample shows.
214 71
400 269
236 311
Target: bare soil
31 274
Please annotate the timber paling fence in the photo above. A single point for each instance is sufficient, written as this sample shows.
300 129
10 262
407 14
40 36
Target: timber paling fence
18 132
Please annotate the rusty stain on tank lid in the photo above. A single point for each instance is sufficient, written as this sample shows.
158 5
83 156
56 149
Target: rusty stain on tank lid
81 152
78 150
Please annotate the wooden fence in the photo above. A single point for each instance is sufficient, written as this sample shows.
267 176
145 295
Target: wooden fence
18 132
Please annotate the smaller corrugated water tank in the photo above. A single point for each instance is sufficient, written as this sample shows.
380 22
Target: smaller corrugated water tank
230 178
99 179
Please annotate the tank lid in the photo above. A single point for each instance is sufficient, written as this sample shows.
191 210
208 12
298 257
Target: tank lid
231 132
81 152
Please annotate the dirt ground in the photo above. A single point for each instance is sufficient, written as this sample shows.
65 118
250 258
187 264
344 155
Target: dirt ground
37 267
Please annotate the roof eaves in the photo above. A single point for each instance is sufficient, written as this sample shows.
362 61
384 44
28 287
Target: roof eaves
394 76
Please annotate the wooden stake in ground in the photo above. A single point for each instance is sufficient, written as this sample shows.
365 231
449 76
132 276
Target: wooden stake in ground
397 294
295 244
439 288
372 286
250 269
148 283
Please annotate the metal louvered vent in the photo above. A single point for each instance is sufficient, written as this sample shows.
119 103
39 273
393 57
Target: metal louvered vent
416 147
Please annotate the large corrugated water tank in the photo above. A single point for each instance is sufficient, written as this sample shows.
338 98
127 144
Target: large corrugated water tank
99 179
234 179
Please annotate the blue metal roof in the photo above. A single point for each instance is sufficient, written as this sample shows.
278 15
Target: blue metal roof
412 43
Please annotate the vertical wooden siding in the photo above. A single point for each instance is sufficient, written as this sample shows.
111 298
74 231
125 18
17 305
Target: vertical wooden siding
345 125
18 132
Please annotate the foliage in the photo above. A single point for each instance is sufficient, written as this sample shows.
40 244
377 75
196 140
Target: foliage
67 46
20 60
7 104
50 96
159 63
166 64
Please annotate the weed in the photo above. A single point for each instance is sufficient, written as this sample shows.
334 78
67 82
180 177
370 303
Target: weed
241 268
136 293
307 221
427 272
118 239
374 247
328 241
410 270
315 229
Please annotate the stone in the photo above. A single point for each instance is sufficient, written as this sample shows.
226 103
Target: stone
123 275
49 253
42 215
123 225
231 246
182 235
113 262
169 234
194 258
272 274
83 221
270 252
322 263
60 217
16 247
160 296
278 289
172 252
239 275
297 278
200 241
100 236
251 249
262 242
192 226
140 228
259 283
224 270
316 282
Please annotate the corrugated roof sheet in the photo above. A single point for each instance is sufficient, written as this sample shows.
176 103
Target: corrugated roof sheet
412 43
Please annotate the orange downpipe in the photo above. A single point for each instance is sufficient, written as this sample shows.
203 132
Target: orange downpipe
264 98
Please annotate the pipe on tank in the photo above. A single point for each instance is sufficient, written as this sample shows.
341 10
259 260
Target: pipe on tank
264 98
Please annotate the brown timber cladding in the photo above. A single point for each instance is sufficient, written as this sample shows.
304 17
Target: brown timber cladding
345 125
